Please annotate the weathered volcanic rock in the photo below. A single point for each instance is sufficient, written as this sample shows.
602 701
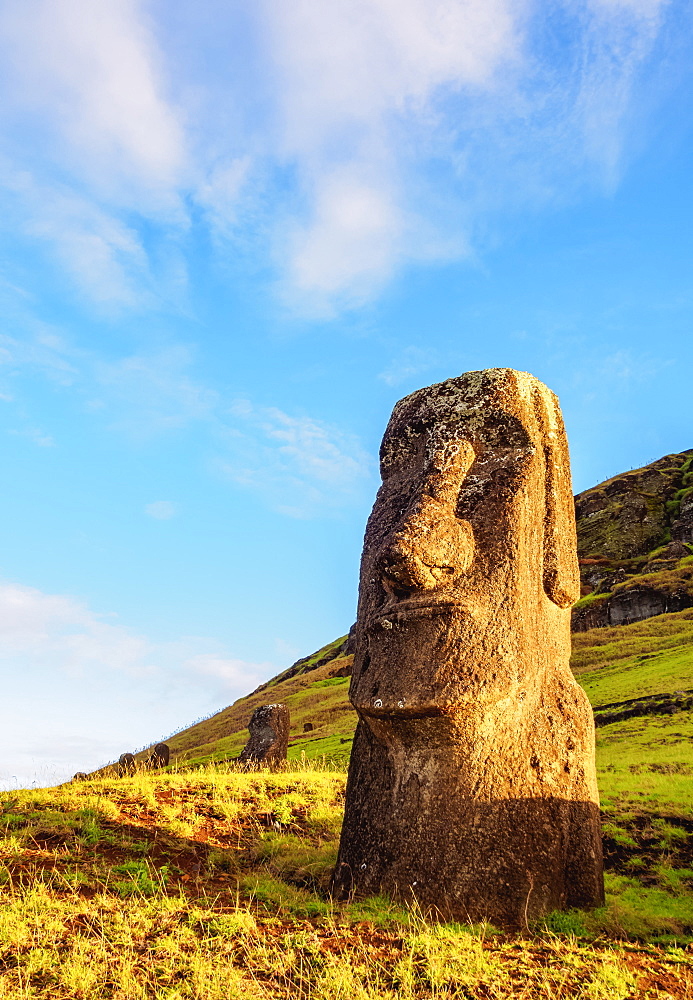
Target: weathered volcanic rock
126 764
160 756
628 515
682 526
81 776
637 598
269 735
472 784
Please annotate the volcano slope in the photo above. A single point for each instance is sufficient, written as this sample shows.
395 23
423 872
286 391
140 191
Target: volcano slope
635 546
203 882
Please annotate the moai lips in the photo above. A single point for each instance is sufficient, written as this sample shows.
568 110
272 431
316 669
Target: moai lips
472 784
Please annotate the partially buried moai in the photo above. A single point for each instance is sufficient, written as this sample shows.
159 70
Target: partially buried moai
126 765
159 757
472 785
269 735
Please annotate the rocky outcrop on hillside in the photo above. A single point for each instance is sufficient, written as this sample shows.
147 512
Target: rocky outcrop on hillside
635 544
630 515
333 651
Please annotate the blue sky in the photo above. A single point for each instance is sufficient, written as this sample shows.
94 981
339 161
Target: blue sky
232 235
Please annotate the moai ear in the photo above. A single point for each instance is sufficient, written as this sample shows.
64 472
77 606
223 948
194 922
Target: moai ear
561 571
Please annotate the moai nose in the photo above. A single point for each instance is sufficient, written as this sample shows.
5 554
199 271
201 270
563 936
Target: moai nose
429 548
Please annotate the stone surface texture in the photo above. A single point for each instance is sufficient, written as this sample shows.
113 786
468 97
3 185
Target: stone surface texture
472 784
269 735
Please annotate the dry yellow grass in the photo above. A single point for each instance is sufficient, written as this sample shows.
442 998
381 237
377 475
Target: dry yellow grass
211 885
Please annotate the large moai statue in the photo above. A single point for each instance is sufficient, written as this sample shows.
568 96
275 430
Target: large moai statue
126 765
269 736
472 785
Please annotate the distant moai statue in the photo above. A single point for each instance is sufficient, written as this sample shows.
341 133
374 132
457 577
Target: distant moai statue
472 785
308 727
81 776
269 735
126 764
159 757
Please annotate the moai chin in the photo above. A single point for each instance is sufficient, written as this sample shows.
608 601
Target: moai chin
472 785
269 735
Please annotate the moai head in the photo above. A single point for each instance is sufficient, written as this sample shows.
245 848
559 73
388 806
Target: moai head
469 562
126 764
81 776
269 735
160 755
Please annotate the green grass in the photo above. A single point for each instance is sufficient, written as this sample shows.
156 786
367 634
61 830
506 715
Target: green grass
649 657
213 884
646 764
239 865
639 676
612 664
588 599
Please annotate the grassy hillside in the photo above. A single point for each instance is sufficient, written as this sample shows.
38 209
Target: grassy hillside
635 535
211 884
614 665
204 883
618 523
630 661
318 696
629 515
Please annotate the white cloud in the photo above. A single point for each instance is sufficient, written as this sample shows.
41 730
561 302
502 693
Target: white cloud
360 136
344 66
349 248
300 466
236 673
93 71
40 349
90 138
346 103
36 436
101 254
161 510
629 367
79 689
409 122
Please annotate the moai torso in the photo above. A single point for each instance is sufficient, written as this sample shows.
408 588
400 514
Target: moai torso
269 735
472 784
